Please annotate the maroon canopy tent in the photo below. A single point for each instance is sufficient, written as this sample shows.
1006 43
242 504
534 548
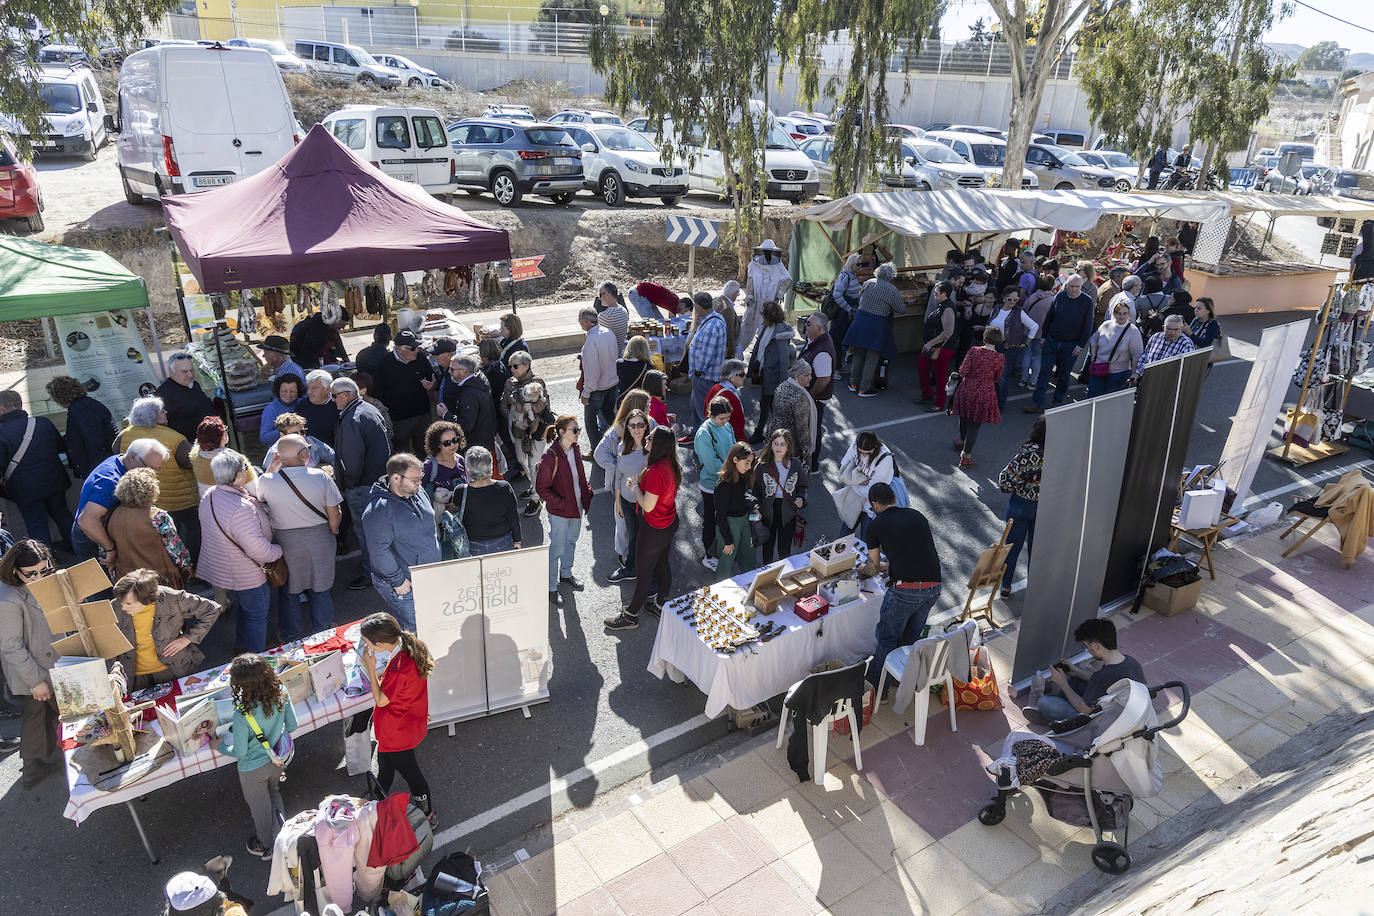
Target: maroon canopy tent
321 214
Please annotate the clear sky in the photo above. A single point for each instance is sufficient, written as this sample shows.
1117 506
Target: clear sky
1304 27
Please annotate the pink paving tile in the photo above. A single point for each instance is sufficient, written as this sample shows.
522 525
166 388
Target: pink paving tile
1190 647
940 785
1314 582
764 891
598 903
656 888
716 858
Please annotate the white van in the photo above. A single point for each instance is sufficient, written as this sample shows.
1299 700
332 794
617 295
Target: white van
345 64
74 110
792 176
193 117
405 143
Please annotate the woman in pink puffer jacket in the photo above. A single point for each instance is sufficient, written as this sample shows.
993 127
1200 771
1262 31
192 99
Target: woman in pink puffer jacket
236 542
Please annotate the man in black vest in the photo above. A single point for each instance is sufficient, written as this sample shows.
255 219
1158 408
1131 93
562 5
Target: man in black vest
820 353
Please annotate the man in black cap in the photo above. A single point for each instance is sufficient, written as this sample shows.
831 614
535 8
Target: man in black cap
404 381
440 358
276 352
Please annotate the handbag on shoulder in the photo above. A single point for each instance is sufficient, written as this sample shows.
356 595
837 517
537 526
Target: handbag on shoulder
275 570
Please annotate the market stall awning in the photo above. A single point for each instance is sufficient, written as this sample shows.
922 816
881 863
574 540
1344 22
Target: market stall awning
38 280
322 214
1079 211
984 211
916 213
1276 205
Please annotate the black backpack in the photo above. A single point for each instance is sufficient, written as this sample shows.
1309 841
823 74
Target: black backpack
454 887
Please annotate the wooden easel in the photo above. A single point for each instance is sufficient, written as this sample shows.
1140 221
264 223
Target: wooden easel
1290 451
992 565
118 717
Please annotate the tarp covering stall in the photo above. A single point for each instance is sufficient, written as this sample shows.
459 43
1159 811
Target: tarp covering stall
321 214
930 222
1275 205
38 280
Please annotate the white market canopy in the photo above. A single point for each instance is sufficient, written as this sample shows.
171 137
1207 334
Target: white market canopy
1276 205
983 211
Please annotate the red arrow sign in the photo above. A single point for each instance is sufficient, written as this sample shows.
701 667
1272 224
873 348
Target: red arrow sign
526 268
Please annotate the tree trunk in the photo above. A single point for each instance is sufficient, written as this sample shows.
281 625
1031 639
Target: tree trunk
1025 108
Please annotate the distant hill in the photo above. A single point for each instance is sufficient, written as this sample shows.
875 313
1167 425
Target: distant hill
1361 60
1292 52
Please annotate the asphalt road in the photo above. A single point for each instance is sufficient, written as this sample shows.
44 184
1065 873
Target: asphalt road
608 721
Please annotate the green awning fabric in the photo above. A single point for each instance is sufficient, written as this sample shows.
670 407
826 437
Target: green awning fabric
38 280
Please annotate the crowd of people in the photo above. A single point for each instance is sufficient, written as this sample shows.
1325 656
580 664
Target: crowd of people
423 455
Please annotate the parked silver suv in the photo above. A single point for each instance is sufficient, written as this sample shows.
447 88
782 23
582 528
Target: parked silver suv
1063 170
512 159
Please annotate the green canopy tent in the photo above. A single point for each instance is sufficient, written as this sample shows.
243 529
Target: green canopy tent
43 281
38 280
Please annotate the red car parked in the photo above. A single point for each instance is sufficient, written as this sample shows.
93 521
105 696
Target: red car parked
20 197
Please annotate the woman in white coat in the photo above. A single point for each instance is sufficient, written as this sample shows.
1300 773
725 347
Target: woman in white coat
867 462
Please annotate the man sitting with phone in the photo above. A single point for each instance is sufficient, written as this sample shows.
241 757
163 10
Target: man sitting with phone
1075 690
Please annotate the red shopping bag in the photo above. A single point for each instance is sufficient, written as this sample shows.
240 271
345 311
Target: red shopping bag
841 726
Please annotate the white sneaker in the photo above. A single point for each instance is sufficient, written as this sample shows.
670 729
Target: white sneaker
710 563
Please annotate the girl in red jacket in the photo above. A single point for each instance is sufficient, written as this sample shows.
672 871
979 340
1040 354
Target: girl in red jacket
561 482
396 664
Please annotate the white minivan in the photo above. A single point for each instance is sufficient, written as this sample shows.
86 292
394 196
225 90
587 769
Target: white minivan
405 143
791 175
74 110
193 117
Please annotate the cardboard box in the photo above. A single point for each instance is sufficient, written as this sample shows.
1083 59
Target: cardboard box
1200 509
1167 601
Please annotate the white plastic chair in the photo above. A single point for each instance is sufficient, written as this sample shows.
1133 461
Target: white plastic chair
897 665
820 733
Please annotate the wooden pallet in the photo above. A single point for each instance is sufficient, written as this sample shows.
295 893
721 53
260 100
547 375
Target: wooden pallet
1299 455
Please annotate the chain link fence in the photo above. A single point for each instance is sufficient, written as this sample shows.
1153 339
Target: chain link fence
566 33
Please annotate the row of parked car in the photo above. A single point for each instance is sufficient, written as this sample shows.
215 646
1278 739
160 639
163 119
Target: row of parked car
1310 177
192 116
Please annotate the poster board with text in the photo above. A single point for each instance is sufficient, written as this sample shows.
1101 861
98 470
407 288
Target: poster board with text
515 593
448 619
104 351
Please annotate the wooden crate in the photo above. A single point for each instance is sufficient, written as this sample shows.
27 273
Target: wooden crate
842 556
766 591
800 581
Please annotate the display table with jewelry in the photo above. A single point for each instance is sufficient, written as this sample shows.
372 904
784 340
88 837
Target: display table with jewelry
746 639
177 734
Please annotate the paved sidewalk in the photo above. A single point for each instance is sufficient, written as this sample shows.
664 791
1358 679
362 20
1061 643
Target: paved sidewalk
1274 646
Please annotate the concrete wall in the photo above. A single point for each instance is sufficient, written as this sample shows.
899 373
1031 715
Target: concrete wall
932 98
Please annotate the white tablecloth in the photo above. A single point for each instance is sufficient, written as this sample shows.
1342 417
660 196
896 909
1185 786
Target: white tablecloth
83 798
764 670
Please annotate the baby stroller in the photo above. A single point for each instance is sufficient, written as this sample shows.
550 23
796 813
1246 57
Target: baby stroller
1090 774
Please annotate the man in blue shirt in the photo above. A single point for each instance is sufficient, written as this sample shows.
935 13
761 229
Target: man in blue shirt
97 497
1068 325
